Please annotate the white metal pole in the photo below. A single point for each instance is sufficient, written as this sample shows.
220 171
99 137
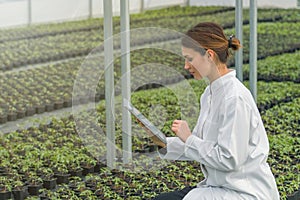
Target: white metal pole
141 6
29 12
239 35
125 68
187 2
90 8
109 83
253 48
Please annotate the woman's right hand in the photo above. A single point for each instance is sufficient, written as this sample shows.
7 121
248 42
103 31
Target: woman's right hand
181 128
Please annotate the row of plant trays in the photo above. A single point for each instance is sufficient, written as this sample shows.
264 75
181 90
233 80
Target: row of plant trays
172 170
277 118
44 83
79 188
36 31
19 114
22 189
19 53
269 68
63 135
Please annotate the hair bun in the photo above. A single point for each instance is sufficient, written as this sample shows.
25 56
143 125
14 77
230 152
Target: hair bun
230 41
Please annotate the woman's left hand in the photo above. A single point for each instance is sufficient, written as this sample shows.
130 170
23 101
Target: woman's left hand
181 128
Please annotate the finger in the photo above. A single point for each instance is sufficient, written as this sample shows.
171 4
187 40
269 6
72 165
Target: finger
174 126
174 129
176 121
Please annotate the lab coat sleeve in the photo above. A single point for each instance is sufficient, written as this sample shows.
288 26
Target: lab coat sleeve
230 150
175 149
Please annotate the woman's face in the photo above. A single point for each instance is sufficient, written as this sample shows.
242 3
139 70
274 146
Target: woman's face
195 63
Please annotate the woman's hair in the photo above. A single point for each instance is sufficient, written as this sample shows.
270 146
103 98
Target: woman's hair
208 35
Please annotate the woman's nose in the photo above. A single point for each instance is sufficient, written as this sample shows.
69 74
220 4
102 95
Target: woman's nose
187 65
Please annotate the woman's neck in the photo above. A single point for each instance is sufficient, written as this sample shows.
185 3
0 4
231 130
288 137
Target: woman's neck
219 71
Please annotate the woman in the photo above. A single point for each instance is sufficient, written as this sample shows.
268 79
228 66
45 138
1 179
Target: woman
229 140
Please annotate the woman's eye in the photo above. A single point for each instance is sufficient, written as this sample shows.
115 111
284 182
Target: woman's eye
189 59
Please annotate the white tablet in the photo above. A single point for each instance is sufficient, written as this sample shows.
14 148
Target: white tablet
153 129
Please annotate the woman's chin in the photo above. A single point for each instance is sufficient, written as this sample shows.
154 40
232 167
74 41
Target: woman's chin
197 77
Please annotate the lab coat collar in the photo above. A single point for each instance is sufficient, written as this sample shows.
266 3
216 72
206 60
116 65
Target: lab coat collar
221 81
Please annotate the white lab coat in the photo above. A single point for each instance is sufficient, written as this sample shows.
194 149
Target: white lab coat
230 143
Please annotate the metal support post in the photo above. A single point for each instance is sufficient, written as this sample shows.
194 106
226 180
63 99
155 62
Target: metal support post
109 83
29 12
142 6
90 8
253 48
126 89
239 35
187 2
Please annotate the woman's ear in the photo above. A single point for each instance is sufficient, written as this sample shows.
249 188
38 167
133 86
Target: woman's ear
210 54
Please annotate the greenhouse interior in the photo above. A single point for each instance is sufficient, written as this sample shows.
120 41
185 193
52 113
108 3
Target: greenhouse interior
65 131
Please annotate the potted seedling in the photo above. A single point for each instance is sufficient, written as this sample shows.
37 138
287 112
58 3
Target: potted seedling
49 180
12 114
92 180
80 188
62 174
99 192
21 112
49 106
3 116
75 169
87 163
109 194
5 188
19 190
87 194
65 192
45 194
74 181
100 163
35 183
